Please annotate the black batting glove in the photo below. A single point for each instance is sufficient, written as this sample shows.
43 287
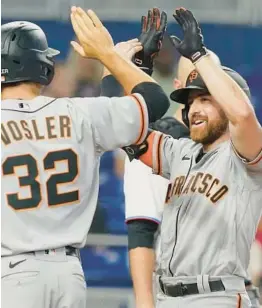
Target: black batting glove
153 28
192 45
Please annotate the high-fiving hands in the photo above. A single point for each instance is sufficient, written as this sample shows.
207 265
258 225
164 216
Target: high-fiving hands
129 48
126 50
94 39
153 28
192 44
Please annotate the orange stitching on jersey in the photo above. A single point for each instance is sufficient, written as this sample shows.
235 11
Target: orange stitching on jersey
142 120
239 301
159 160
256 161
252 163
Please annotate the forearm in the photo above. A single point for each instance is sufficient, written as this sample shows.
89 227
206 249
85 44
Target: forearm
127 74
227 93
142 262
141 234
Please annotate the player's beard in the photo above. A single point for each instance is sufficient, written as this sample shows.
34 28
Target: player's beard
212 131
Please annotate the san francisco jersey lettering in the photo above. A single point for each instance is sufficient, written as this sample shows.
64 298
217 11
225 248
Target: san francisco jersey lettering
212 208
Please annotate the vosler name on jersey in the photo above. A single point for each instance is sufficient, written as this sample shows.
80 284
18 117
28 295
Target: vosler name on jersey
31 129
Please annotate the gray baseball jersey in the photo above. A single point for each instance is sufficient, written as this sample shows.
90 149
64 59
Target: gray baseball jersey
50 158
212 207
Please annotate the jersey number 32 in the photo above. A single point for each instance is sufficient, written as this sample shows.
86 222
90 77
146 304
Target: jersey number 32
31 180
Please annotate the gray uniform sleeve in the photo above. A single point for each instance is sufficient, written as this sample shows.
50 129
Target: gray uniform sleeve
248 177
116 122
248 180
163 150
254 166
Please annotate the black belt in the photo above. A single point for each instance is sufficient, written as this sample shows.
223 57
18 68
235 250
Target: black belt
69 250
72 251
182 289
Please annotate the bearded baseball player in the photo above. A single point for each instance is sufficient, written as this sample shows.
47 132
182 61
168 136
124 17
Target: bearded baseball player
213 202
50 158
144 199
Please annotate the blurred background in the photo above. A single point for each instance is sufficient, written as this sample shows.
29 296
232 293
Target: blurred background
231 28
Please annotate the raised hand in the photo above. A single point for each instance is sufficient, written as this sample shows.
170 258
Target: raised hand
94 39
129 48
153 28
192 44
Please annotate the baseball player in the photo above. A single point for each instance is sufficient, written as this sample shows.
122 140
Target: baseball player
50 158
145 197
144 200
144 191
214 197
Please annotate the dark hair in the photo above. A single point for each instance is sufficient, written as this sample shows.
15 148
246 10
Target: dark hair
14 84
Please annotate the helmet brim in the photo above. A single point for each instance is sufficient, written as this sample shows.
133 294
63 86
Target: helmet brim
181 95
52 52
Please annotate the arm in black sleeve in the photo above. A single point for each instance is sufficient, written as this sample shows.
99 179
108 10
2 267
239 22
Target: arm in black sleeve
110 87
141 233
156 100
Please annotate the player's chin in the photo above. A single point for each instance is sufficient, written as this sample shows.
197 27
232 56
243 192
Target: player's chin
198 135
201 129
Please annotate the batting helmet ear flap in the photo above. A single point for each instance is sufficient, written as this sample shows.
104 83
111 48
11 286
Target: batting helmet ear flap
185 119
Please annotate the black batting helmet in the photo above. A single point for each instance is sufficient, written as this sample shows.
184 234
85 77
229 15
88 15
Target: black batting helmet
171 126
25 54
195 82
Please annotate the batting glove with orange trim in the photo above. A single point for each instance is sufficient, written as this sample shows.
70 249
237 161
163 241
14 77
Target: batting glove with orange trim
153 28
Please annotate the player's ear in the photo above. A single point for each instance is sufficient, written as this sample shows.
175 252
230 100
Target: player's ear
177 84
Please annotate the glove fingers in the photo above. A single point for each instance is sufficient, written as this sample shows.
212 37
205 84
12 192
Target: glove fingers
182 18
156 19
143 24
163 22
190 16
149 19
176 41
178 20
191 21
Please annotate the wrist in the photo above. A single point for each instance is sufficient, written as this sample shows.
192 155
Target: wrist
197 56
107 56
202 61
142 60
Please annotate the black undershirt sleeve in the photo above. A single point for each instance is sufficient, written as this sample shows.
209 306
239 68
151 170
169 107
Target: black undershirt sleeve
156 100
141 233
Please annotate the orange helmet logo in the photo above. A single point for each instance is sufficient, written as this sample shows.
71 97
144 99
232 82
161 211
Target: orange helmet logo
193 75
